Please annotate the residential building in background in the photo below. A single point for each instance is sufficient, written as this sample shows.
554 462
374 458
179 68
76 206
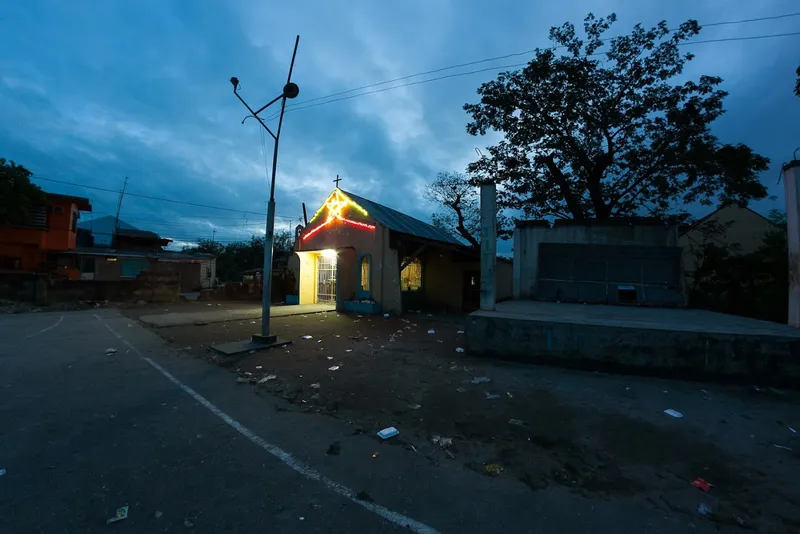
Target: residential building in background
50 229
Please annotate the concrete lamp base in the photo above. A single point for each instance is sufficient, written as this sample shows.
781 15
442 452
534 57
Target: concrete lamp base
258 342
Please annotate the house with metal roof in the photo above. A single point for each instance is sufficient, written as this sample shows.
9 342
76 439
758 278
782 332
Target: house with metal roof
362 256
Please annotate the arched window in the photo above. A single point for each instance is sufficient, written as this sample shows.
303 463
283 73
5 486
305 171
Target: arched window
365 276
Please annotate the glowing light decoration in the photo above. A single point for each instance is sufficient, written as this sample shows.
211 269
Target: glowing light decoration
336 203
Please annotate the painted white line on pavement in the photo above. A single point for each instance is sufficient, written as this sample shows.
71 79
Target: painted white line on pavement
285 457
48 328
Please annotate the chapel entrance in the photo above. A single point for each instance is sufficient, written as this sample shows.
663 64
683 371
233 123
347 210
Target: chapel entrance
326 279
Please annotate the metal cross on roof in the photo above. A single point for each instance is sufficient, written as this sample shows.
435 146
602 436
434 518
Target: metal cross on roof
337 180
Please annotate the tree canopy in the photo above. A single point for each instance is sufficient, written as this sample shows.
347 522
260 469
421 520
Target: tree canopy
17 193
591 134
237 256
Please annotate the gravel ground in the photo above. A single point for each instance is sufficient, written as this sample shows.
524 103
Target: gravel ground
604 436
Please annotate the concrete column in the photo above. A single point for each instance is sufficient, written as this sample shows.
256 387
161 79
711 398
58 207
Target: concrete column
791 184
488 245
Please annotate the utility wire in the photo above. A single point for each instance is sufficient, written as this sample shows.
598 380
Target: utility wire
160 199
303 105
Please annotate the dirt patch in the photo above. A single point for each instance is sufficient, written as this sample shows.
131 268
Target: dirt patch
540 426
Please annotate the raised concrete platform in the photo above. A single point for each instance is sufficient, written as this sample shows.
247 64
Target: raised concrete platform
221 315
665 342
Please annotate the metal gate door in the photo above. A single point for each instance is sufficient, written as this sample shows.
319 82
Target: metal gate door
326 280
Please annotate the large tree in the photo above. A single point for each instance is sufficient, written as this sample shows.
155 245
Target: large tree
460 209
17 193
604 129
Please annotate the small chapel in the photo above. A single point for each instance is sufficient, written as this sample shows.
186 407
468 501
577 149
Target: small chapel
363 257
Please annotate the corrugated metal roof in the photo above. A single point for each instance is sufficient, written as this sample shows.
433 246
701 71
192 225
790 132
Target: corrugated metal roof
400 222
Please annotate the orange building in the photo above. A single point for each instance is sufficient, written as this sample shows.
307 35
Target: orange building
51 229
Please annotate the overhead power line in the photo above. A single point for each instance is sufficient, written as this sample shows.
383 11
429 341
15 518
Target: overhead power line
305 104
160 199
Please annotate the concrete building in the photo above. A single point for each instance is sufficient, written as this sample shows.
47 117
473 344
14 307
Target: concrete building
612 262
50 229
737 229
365 257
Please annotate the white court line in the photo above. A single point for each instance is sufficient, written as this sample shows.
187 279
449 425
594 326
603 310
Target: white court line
280 454
48 328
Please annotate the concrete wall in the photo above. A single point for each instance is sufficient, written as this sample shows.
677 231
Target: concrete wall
444 279
791 181
529 235
307 280
752 359
148 286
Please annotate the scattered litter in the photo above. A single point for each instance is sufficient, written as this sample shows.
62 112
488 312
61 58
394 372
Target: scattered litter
699 483
375 454
704 509
252 322
2 472
461 390
259 367
315 385
364 496
784 448
187 523
415 406
460 332
454 368
385 315
430 315
248 373
359 316
319 341
459 349
267 379
329 357
431 331
740 521
158 514
493 469
333 368
491 396
389 432
122 513
334 449
481 379
302 518
111 351
241 380
413 448
348 350
674 413
516 422
307 337
509 395
442 442
793 431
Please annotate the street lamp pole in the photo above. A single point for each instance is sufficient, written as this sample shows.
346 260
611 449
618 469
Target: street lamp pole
290 90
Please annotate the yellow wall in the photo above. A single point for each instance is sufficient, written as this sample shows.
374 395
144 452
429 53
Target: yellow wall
308 277
744 232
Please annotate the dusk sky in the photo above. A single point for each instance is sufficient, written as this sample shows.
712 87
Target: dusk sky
92 92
